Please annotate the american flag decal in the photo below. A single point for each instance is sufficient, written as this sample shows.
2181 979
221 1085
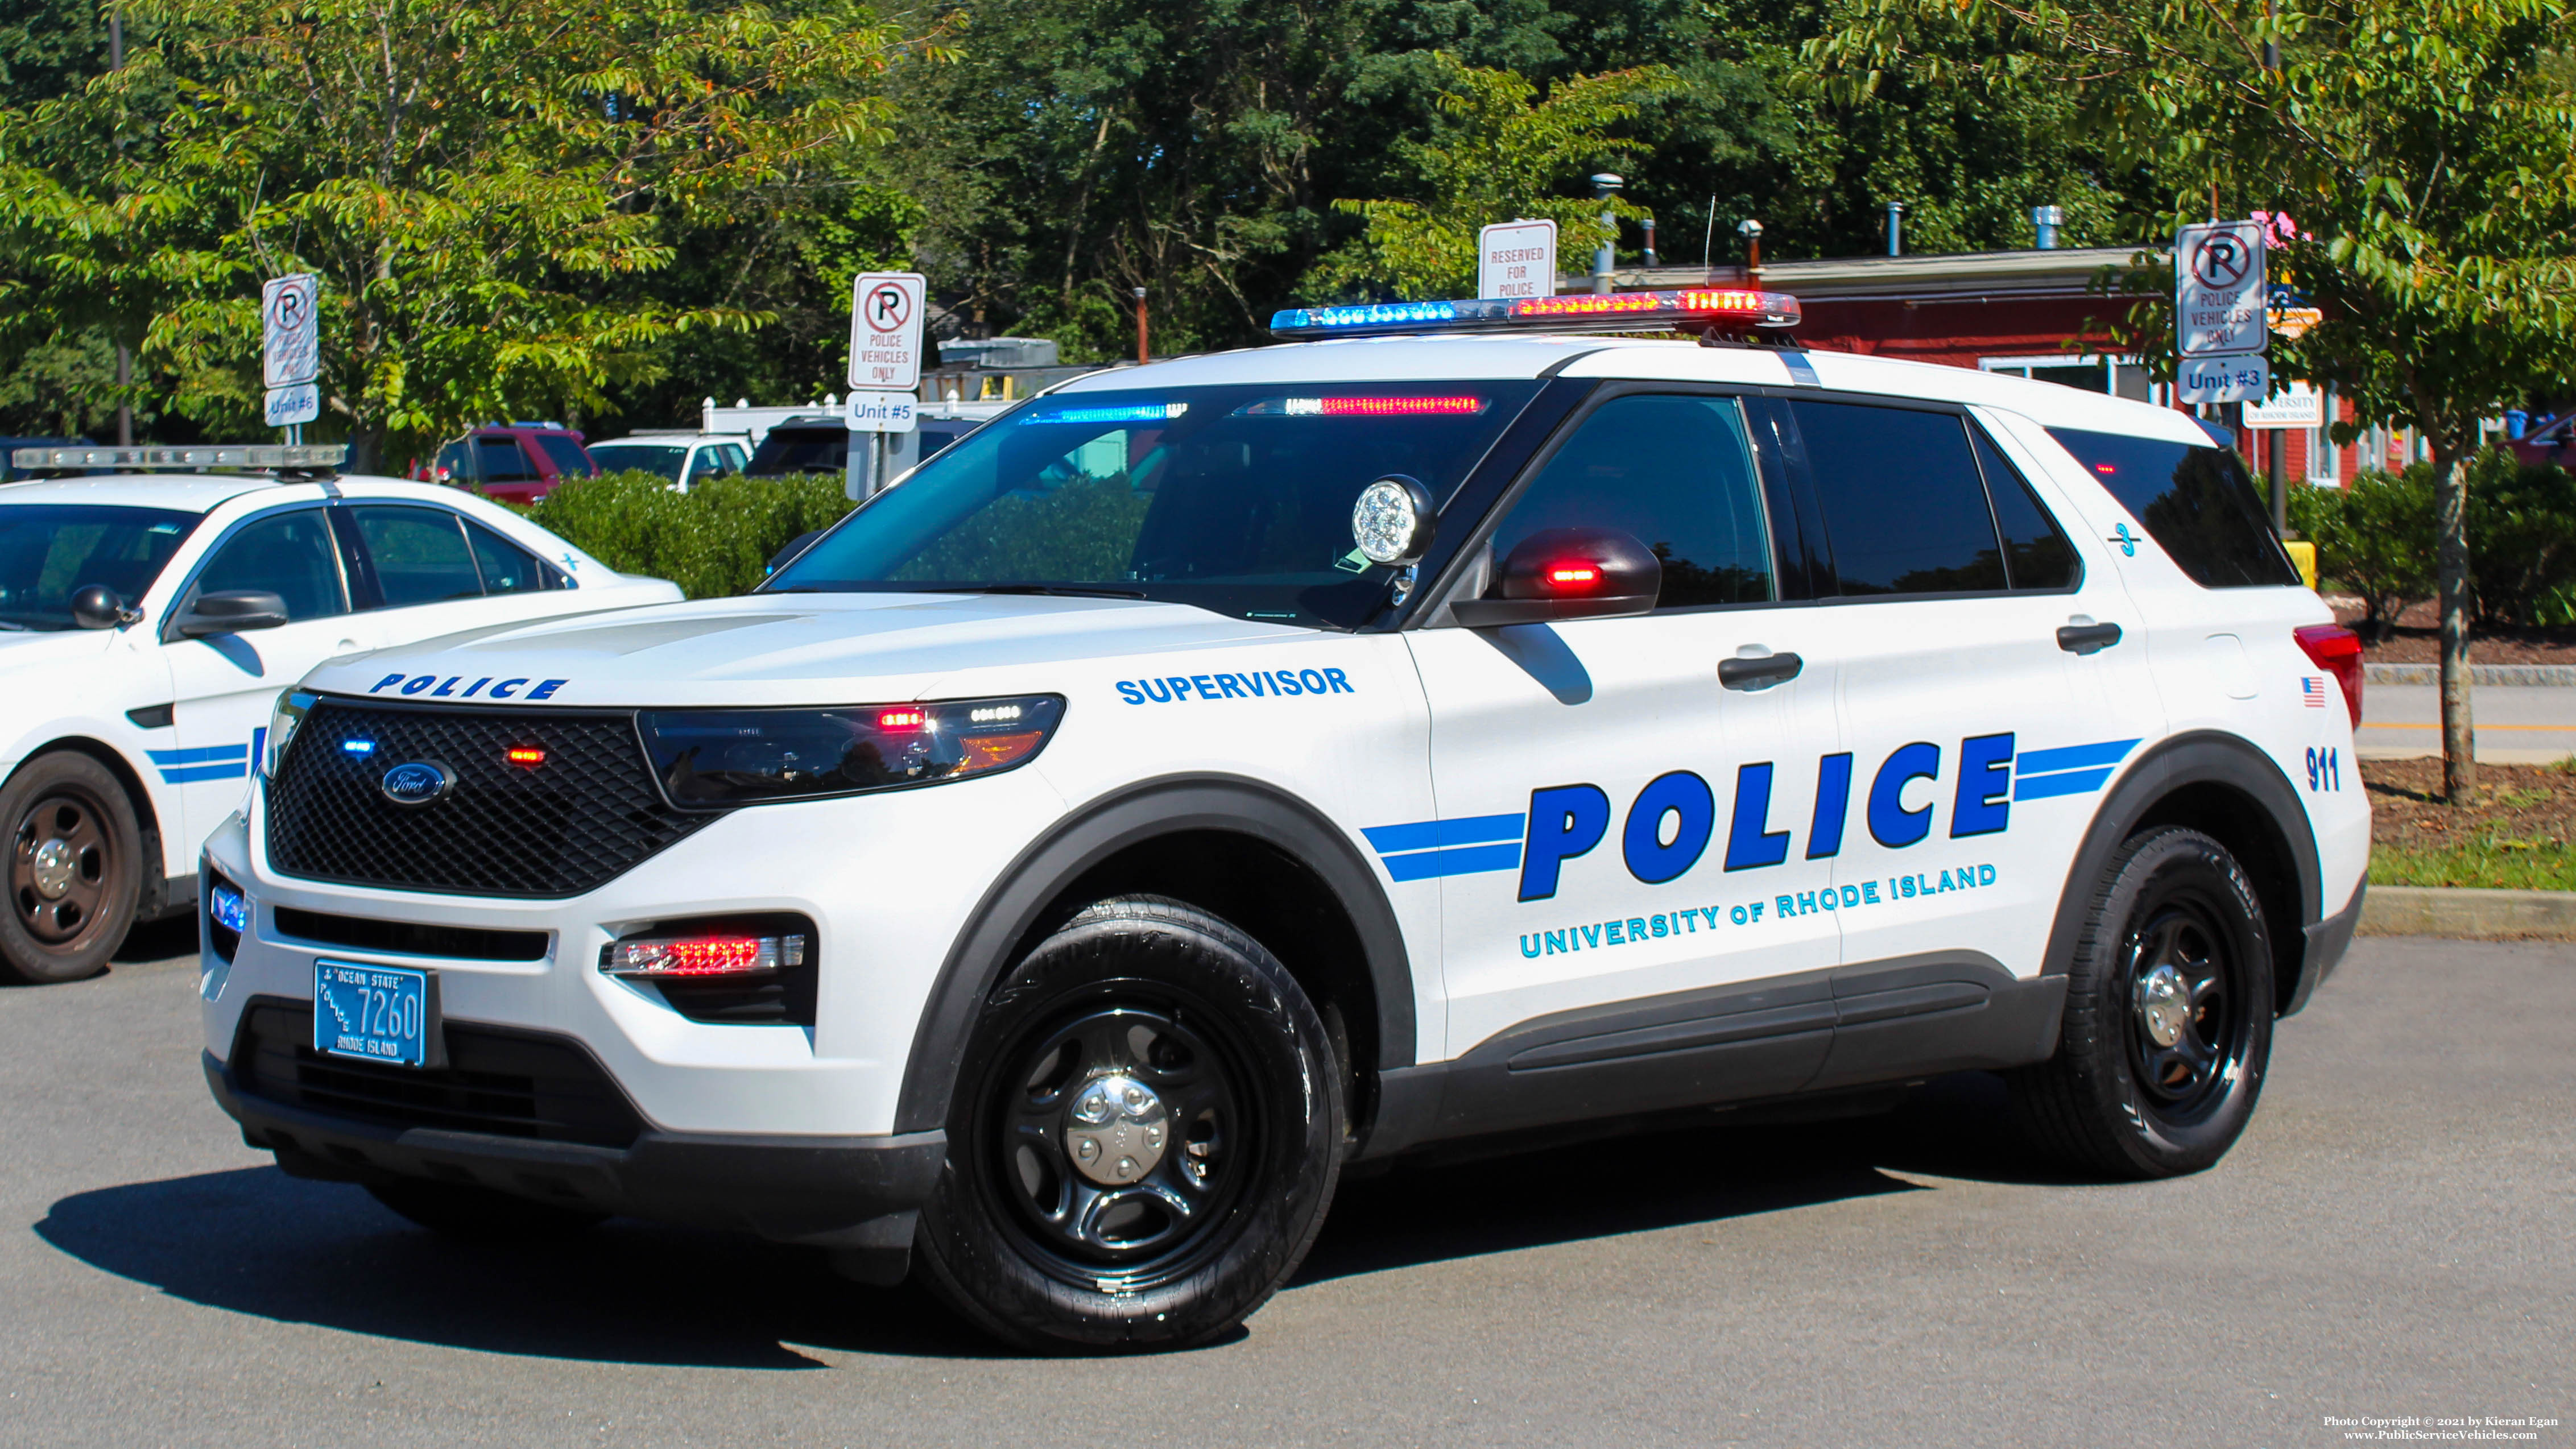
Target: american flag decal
2312 692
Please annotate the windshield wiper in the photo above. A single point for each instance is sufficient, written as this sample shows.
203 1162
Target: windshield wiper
1070 591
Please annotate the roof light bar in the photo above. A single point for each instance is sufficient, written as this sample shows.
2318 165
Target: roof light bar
1688 309
260 457
1364 407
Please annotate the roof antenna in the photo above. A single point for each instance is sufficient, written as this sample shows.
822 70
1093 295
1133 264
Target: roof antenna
1708 244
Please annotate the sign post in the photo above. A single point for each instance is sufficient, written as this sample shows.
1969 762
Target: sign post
1516 259
886 314
290 320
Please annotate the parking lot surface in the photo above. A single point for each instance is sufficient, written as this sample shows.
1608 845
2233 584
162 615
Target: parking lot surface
2392 1238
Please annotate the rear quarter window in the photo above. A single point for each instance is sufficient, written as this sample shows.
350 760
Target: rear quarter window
2194 501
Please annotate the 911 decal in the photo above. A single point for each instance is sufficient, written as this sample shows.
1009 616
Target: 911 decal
2325 769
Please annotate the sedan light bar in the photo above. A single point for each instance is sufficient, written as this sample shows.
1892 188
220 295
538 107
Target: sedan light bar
1690 309
257 457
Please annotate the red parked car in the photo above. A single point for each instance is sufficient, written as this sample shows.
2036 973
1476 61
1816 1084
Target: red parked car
513 462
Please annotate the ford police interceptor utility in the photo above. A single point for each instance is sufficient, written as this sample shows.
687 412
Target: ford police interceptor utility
1210 775
147 624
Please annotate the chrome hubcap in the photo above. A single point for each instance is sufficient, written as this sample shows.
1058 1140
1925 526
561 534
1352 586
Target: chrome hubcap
1116 1131
52 869
2164 1005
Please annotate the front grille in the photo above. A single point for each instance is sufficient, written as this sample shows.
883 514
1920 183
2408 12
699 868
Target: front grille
505 1083
459 943
586 815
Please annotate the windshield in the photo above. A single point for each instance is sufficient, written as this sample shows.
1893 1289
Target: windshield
49 551
659 458
1234 499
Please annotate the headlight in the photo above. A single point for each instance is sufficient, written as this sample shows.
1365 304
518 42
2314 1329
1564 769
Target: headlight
282 724
716 757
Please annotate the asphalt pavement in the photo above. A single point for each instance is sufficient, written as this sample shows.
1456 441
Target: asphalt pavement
2392 1238
2516 724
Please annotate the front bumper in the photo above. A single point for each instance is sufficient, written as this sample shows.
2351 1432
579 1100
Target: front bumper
841 1192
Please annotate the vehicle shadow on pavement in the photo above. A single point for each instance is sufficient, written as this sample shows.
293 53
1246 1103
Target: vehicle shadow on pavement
1952 1127
256 1241
149 942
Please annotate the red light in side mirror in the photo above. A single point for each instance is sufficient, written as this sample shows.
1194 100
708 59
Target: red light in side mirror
1573 575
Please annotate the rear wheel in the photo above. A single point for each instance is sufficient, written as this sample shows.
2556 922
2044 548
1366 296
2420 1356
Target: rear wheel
2168 1026
1147 1132
75 868
478 1214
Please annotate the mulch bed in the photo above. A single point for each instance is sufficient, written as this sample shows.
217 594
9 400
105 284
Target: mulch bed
2419 641
2526 802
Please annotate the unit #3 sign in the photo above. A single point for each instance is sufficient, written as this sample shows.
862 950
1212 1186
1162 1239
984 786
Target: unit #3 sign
886 311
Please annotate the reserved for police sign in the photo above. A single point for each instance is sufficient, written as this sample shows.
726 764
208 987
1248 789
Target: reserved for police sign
1516 259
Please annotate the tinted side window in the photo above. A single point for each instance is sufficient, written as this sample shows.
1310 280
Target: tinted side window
289 555
1677 473
566 455
498 460
419 554
2036 554
2196 503
1905 510
506 567
454 465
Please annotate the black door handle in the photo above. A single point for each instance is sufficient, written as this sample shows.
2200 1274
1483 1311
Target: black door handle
2087 638
1760 673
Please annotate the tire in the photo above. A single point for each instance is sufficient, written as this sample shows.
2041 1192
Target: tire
2168 1027
1145 1135
478 1214
75 868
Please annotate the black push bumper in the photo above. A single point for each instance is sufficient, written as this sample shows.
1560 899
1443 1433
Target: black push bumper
834 1192
2327 942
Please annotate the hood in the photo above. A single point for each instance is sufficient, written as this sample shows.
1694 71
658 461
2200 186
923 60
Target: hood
39 648
780 649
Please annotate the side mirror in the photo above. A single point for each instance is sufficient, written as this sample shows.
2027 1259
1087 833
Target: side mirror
96 606
232 611
1568 573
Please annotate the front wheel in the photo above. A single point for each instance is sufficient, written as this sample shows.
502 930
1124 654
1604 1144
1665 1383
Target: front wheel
75 868
2168 1026
1146 1134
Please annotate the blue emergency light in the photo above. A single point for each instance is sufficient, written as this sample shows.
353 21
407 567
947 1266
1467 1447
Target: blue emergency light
1691 309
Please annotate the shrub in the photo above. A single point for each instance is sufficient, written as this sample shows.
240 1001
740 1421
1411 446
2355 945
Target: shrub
2375 538
713 540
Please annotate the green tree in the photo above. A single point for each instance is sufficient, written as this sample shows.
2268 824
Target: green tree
2425 148
2374 537
1501 154
475 185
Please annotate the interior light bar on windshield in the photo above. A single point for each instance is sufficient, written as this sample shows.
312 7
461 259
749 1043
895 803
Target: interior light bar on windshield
1364 407
1690 309
257 457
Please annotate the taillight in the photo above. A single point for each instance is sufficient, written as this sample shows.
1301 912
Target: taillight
2336 650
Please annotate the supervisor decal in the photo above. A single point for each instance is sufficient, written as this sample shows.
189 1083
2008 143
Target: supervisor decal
1257 684
1566 822
437 688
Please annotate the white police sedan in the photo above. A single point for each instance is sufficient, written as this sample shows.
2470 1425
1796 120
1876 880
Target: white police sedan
147 624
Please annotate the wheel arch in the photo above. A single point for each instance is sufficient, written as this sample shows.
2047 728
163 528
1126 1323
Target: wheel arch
147 813
2222 786
1233 846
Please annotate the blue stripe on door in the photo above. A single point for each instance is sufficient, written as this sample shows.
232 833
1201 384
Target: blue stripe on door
190 774
199 756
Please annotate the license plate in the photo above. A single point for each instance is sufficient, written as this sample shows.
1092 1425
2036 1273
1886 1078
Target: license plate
373 1013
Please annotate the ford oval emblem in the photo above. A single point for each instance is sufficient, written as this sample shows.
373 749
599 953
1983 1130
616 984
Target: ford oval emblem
421 782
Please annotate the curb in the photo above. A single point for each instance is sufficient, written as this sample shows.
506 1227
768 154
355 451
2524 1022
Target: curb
2467 914
2528 675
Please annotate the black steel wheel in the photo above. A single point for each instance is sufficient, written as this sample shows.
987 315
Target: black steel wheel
1144 1139
2168 1025
75 873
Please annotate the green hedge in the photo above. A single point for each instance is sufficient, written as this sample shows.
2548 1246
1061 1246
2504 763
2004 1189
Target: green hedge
713 540
2375 538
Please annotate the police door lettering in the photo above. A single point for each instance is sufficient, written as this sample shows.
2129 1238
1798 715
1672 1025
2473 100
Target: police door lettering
1668 828
1691 920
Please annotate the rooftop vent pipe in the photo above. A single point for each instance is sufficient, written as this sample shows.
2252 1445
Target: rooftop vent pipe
2044 222
1896 228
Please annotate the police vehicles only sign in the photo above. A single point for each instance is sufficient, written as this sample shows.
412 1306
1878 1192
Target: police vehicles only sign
1516 259
885 331
2218 289
291 348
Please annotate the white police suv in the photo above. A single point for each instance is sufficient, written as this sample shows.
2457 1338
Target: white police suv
1209 775
147 624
